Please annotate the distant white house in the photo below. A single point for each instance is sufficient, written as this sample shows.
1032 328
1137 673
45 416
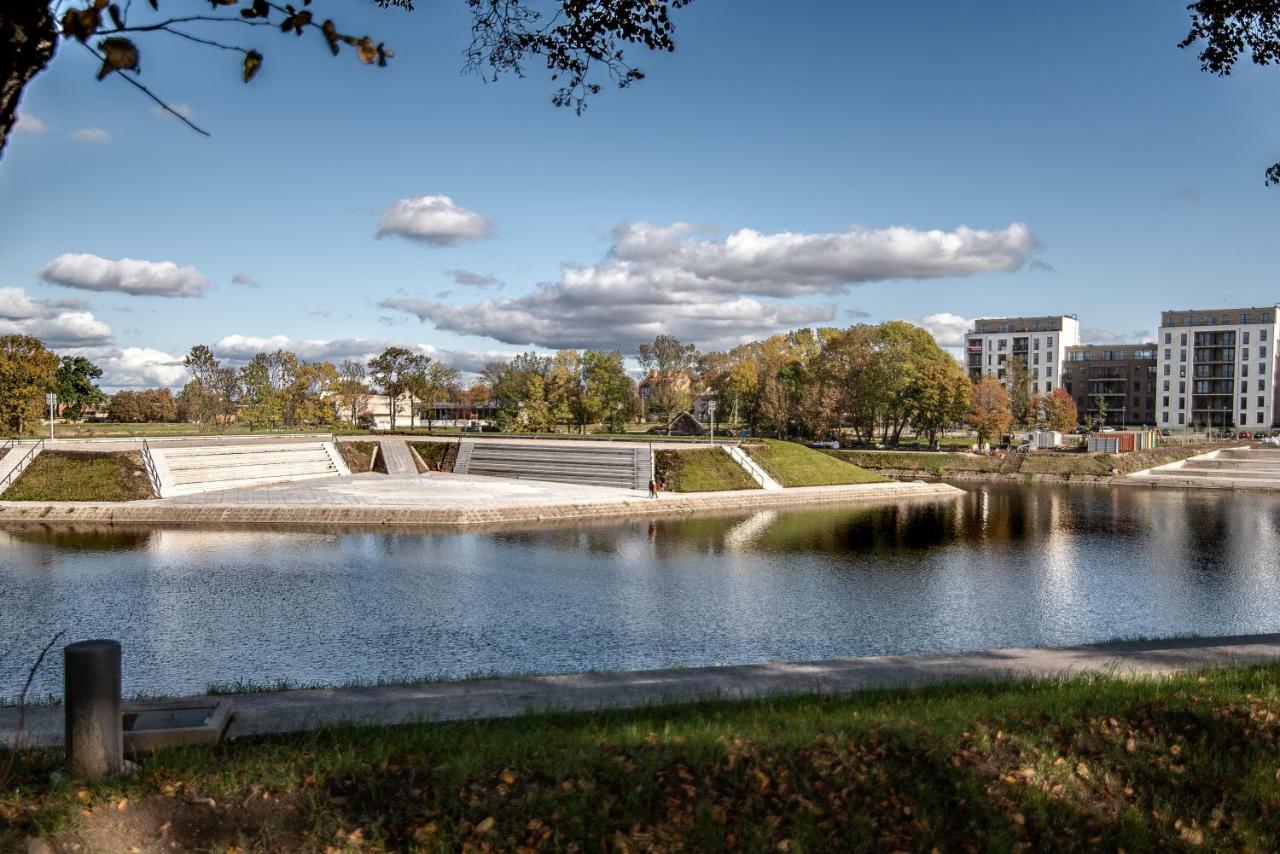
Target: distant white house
378 408
444 414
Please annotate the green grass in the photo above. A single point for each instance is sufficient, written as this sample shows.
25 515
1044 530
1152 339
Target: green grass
791 464
114 430
359 456
699 470
1061 464
1083 764
74 476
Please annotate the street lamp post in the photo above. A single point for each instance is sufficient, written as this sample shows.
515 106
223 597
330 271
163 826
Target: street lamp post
711 410
52 400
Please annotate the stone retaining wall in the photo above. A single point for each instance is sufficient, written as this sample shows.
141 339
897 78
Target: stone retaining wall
248 514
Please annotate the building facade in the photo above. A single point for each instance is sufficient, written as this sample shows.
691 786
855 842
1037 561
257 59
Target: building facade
1115 384
1216 369
1040 342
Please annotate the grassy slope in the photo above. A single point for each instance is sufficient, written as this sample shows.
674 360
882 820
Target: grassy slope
1085 764
357 455
1099 465
791 464
67 476
699 470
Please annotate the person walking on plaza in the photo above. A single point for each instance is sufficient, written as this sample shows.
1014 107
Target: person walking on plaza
653 488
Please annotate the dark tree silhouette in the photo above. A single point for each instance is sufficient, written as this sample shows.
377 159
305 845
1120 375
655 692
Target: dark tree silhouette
1228 28
580 41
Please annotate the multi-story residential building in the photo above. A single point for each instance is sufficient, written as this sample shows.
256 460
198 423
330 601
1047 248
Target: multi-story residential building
1119 380
1041 343
1216 368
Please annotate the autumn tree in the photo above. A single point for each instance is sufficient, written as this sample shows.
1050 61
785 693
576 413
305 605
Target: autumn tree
940 397
1059 410
989 411
75 386
669 365
352 391
581 44
520 388
213 395
28 371
1020 393
388 372
427 381
607 392
147 406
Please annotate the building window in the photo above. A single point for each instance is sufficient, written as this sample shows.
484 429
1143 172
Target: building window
1244 370
1036 343
1166 401
1048 357
1262 367
1048 342
1182 403
1164 416
1003 343
1182 355
1166 369
1262 385
1182 418
1244 386
1262 352
1259 415
1261 401
1166 385
1168 338
1244 401
1182 387
1244 318
1244 337
1184 339
1182 370
1035 359
1244 351
1048 387
1168 354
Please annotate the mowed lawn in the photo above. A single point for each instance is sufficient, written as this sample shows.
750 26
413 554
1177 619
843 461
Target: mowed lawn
74 476
1087 764
699 470
791 464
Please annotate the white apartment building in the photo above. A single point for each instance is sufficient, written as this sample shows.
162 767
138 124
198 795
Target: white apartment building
1216 369
1041 343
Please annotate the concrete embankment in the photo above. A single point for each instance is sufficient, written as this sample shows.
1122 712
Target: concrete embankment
446 501
292 711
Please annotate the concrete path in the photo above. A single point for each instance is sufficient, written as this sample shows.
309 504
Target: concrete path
395 453
290 711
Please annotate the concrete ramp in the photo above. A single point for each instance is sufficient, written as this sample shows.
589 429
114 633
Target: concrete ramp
206 468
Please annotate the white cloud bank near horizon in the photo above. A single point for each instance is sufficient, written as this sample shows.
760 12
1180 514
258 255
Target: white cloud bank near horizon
126 276
58 323
238 349
673 280
435 221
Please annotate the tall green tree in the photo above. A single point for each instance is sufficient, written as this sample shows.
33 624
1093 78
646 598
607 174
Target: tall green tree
388 372
28 371
76 388
1021 402
940 398
608 394
669 365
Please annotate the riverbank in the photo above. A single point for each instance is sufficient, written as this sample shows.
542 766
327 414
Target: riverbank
444 500
1085 762
1039 466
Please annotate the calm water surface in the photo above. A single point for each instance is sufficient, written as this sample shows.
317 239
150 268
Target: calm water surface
1004 565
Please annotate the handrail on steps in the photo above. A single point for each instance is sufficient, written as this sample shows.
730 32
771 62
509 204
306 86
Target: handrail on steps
150 463
753 468
17 469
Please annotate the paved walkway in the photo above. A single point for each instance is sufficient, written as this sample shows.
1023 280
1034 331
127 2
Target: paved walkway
289 711
395 453
16 454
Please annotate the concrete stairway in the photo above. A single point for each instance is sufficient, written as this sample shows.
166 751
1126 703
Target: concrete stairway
758 474
618 465
190 470
1231 468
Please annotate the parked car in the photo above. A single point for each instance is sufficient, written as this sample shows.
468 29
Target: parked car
1164 431
1245 434
1082 430
471 427
833 445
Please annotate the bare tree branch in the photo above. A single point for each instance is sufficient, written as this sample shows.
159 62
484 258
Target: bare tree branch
163 104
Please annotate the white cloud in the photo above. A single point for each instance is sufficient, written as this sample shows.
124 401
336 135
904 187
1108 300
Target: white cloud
246 280
128 276
475 280
133 367
58 323
1108 336
239 349
90 135
668 279
28 123
433 220
946 328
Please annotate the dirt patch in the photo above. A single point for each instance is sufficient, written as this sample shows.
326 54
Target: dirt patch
261 822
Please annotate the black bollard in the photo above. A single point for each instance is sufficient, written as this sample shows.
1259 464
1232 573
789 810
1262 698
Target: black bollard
95 728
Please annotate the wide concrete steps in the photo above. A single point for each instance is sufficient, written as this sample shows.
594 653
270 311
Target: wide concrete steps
1234 468
609 465
192 470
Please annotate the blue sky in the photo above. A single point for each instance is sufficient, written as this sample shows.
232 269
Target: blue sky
815 126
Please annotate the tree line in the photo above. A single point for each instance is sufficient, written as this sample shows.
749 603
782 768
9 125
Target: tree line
875 381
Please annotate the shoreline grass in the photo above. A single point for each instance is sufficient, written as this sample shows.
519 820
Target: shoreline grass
1085 763
82 476
792 464
699 470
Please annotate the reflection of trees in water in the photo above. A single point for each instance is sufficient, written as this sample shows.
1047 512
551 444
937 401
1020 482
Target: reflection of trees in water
85 538
591 540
